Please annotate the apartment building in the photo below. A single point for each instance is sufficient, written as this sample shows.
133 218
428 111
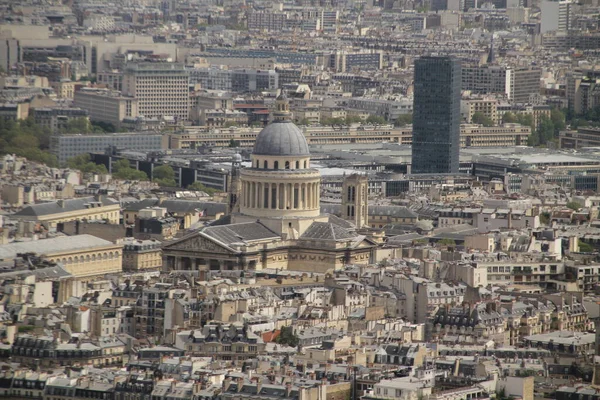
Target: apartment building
388 109
105 105
266 21
516 83
488 106
141 254
161 88
231 342
57 119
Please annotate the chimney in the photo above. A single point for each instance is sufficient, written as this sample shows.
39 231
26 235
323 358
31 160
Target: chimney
226 383
173 385
196 388
288 389
61 203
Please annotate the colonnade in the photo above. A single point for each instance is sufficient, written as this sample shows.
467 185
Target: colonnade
280 196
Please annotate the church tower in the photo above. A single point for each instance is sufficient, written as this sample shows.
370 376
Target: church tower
235 186
355 198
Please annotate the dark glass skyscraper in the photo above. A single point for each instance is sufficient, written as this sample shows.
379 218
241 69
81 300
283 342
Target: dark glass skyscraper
436 115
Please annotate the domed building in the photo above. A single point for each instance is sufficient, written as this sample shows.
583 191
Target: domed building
275 219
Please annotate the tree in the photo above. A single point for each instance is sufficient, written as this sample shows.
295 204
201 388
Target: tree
573 205
509 118
84 164
122 170
27 139
545 130
585 247
403 120
377 120
78 125
558 119
545 218
164 175
287 337
304 121
234 143
482 119
353 119
200 187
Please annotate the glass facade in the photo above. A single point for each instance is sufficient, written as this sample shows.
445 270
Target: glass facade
436 115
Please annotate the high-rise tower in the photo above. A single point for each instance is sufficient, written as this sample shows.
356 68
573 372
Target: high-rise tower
436 115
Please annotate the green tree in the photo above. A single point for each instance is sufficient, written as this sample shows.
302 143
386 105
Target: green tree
287 337
122 170
573 205
200 187
103 126
25 138
481 118
377 120
78 125
545 130
545 218
164 175
585 247
353 119
403 120
84 164
558 119
526 119
509 118
234 143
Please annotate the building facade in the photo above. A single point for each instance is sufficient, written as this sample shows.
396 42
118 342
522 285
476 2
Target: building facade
162 89
436 115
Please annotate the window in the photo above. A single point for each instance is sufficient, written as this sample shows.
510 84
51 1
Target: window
265 164
276 165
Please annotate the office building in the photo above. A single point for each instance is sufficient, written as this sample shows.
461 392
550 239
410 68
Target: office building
436 115
556 16
105 105
517 84
237 80
68 146
162 89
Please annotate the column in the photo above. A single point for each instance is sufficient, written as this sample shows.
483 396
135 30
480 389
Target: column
276 196
286 200
310 196
281 196
292 196
317 194
268 190
259 189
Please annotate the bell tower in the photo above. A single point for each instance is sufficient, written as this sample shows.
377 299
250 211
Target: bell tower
355 199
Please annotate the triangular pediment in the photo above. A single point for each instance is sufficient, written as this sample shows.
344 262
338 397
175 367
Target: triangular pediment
198 243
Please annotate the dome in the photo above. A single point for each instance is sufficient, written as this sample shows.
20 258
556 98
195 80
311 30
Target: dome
237 158
281 138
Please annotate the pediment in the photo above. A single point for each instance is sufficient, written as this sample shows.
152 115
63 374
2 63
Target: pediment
198 243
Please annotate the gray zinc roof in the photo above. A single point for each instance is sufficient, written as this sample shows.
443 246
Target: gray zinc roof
326 231
52 246
281 138
55 208
237 233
